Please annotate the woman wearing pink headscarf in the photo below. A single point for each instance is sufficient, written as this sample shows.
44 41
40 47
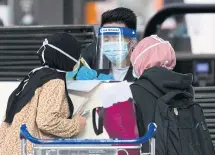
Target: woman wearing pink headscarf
153 60
152 52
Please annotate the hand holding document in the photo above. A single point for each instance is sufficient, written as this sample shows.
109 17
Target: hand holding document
79 108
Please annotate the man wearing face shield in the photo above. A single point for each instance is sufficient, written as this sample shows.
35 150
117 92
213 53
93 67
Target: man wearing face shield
118 17
115 45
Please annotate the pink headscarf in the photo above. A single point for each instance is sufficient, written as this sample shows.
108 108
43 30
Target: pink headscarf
150 52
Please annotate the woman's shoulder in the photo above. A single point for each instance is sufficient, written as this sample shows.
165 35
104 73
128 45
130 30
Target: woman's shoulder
54 83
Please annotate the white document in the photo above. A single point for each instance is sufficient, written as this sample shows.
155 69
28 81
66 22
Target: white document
82 85
80 106
119 92
79 98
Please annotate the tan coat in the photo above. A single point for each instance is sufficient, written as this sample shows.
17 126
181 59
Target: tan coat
45 116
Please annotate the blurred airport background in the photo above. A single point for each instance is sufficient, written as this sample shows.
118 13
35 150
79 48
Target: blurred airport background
49 12
79 12
191 35
58 12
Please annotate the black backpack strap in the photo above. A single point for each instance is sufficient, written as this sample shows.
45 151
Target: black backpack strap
163 105
101 111
170 95
147 85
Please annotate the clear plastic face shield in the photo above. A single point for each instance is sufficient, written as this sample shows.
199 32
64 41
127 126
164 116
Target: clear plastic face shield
115 45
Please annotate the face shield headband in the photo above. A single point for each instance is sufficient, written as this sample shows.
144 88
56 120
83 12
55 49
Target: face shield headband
122 31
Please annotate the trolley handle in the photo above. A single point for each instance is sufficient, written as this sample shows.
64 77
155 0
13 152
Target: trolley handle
24 134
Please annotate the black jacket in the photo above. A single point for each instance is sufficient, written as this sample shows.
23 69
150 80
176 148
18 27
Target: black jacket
162 81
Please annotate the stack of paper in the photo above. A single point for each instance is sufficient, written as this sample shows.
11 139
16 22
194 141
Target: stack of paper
83 85
80 106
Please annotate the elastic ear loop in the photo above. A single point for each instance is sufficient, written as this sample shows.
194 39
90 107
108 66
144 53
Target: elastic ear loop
56 48
157 38
161 40
45 42
62 52
145 51
165 63
43 57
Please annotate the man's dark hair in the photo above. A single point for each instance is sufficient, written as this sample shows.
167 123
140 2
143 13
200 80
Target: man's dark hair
120 15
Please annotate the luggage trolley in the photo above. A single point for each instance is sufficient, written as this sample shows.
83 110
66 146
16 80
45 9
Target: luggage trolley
86 146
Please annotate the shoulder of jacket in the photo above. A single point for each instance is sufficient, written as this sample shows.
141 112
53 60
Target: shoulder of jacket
54 82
